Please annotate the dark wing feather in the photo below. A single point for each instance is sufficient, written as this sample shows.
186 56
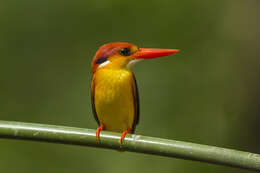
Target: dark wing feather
93 99
136 104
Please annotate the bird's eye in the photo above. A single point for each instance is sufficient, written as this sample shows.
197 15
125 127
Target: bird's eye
125 52
101 60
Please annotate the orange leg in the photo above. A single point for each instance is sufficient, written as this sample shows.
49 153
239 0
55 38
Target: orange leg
101 127
123 135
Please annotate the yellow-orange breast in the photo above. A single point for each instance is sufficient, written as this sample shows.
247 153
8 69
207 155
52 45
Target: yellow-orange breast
114 100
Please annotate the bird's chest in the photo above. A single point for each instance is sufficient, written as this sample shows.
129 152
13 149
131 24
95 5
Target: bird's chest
114 99
113 85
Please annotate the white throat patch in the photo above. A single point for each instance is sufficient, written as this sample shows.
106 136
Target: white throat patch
132 62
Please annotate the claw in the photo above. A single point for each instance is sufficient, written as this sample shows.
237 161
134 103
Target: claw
101 127
123 135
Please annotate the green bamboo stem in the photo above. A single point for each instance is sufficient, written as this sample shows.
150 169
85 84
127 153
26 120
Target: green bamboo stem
134 143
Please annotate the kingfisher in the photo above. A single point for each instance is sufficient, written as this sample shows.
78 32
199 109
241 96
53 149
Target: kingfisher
114 93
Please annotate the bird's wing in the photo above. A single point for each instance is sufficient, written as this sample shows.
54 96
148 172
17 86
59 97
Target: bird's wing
136 103
93 99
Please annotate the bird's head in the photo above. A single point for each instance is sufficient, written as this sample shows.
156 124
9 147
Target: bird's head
123 55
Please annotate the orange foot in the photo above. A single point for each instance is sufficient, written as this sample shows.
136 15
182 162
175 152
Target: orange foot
101 127
123 135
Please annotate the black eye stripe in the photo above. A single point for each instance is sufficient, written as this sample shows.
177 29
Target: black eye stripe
125 52
101 60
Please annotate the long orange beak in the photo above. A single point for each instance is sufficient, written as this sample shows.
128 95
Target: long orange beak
147 53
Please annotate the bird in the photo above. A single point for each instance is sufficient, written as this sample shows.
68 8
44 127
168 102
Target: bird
114 92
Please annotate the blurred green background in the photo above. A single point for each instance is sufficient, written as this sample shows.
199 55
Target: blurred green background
208 93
